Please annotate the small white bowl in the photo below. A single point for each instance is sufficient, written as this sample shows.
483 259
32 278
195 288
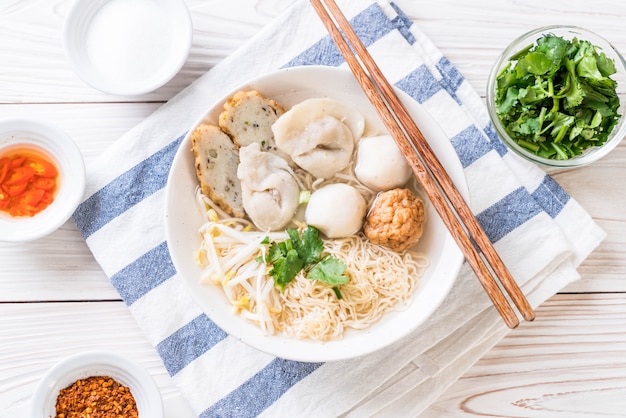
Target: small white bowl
97 363
127 47
20 133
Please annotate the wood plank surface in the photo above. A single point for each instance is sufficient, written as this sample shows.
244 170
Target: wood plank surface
570 362
35 336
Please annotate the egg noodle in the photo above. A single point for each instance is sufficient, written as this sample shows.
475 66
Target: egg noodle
380 279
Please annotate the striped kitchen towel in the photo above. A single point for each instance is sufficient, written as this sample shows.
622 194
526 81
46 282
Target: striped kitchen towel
540 231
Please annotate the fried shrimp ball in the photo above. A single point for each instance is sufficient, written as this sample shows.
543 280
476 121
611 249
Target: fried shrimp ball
396 219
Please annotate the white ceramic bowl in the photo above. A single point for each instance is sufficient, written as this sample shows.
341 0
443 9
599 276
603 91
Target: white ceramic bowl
183 219
97 363
591 154
24 133
127 47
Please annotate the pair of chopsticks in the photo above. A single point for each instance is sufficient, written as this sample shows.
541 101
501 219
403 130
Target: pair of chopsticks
438 186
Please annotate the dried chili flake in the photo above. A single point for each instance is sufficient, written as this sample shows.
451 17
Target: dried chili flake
96 397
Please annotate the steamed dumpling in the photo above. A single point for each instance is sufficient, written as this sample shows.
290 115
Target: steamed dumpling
337 210
319 134
380 164
269 189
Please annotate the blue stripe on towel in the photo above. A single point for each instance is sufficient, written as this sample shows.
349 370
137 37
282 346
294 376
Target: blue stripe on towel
452 78
371 25
144 274
496 141
188 343
261 390
403 23
470 144
551 196
126 190
420 84
507 214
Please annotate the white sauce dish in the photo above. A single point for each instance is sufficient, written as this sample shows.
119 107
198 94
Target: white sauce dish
127 47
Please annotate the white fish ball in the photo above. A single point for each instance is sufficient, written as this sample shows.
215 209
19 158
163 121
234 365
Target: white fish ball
337 210
380 164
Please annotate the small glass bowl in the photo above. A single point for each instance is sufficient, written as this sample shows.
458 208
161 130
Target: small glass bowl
22 133
97 363
567 32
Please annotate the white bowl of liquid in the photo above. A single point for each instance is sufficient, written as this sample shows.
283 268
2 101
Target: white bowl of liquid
127 47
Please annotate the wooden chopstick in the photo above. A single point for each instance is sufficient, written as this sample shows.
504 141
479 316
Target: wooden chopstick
437 184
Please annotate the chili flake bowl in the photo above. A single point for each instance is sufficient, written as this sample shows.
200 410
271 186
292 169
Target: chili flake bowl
508 57
19 134
97 363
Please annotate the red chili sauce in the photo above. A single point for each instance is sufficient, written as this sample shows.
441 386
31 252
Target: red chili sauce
28 181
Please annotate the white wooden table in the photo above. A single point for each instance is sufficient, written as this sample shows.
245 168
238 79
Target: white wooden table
55 300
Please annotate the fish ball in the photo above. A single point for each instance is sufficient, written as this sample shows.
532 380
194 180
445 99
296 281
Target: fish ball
337 210
380 164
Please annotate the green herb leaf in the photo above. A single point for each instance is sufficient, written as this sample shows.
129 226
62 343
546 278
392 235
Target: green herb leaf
312 245
534 63
296 253
329 270
286 268
555 98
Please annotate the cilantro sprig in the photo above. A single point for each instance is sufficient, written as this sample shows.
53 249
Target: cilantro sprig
303 252
556 98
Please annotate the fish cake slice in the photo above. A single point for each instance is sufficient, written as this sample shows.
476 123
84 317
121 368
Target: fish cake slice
216 161
248 117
